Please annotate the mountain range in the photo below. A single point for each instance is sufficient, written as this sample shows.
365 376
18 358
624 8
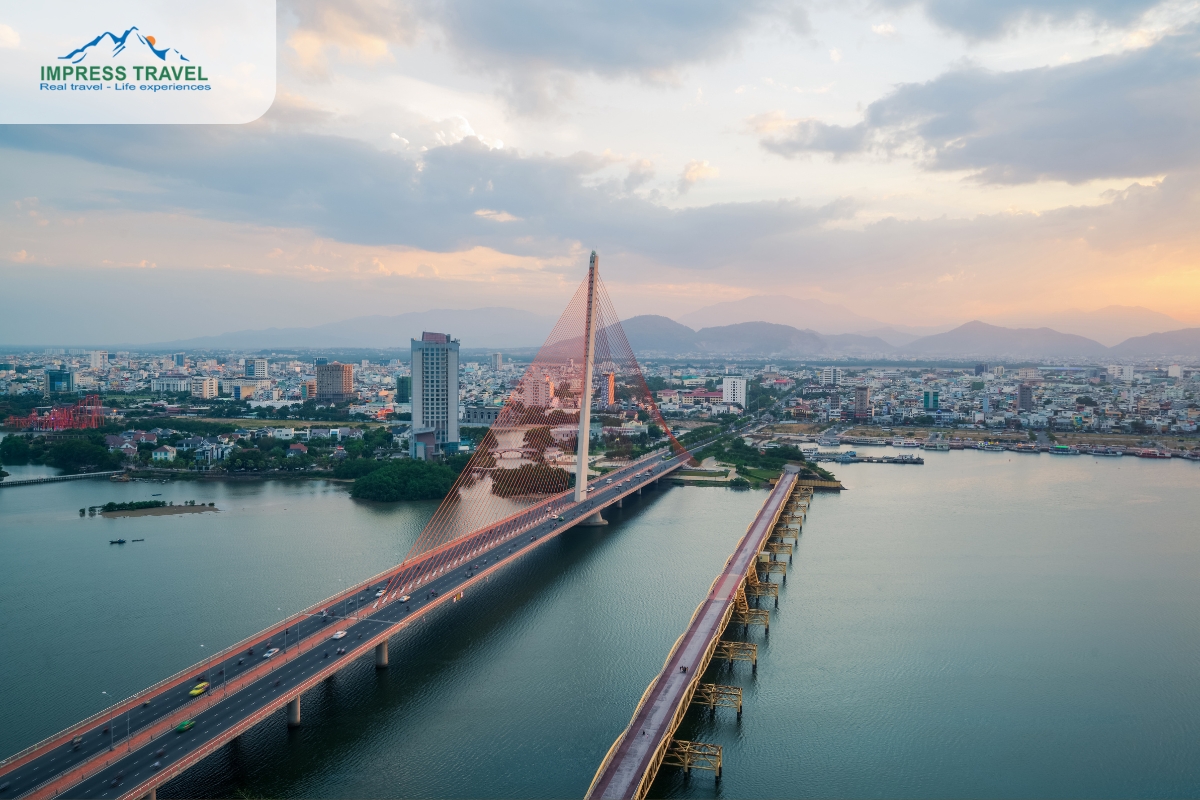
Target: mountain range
503 328
1109 326
656 335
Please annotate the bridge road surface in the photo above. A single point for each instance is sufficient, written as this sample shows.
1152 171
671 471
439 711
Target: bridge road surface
621 774
246 688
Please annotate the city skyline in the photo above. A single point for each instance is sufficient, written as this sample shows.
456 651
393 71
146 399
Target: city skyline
910 162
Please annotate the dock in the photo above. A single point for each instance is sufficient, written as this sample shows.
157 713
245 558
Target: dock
57 478
648 742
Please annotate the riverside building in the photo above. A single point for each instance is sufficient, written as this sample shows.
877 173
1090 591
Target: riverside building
434 395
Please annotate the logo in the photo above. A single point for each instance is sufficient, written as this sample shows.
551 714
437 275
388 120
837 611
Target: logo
123 62
80 53
173 72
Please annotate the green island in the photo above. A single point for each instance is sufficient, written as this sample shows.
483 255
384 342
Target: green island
136 505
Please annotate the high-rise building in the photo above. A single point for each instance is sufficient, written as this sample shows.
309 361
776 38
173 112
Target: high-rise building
308 390
981 368
403 388
930 400
60 380
733 390
335 382
1025 397
497 361
204 388
256 368
319 360
831 376
180 359
540 393
862 402
99 359
434 393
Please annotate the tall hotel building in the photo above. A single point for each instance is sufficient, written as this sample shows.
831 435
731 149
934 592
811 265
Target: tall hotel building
434 394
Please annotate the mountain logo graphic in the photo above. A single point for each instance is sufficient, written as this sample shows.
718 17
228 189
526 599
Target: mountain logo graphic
119 44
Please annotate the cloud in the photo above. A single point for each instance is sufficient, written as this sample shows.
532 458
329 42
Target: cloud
1114 116
620 37
9 37
694 172
532 49
885 30
640 171
355 30
989 19
496 216
350 191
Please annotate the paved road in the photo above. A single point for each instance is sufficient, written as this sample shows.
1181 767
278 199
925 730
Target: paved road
132 764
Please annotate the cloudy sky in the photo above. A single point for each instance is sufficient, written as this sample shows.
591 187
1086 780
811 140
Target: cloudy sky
920 161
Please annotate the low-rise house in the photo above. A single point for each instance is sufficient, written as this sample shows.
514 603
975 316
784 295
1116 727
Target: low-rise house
296 449
164 453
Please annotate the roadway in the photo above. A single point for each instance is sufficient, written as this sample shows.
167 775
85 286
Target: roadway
131 749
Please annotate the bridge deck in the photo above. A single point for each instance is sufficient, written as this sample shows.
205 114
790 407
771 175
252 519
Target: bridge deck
246 688
631 764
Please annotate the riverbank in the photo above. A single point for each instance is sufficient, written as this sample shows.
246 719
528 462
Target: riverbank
161 511
243 477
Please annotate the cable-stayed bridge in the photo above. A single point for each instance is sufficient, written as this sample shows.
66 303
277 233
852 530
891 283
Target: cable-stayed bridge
513 496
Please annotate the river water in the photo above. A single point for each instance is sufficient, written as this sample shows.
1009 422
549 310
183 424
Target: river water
988 625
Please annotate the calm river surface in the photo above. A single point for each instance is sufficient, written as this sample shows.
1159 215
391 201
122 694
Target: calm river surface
987 625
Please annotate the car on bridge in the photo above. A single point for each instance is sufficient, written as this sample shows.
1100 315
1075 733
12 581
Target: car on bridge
404 598
186 725
271 652
199 689
338 635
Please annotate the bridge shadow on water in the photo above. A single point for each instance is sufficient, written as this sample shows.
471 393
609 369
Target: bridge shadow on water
341 716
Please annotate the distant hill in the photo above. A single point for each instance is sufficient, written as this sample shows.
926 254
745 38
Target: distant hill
495 327
1185 343
1109 325
651 334
978 339
654 334
760 338
781 310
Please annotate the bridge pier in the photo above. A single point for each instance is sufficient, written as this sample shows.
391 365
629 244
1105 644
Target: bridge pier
621 502
293 711
595 519
381 655
153 794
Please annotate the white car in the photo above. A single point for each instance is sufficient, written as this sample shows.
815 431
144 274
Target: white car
338 635
608 480
379 593
404 598
271 652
